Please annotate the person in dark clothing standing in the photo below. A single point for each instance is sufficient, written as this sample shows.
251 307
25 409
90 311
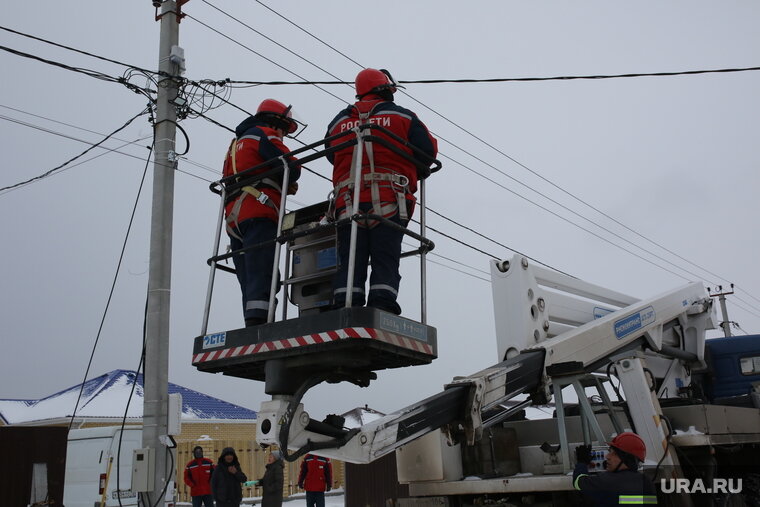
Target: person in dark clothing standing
273 481
227 480
621 483
198 477
315 478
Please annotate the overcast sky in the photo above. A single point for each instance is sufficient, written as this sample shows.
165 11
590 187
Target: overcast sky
673 158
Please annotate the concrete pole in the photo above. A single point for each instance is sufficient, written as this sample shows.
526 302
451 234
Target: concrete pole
156 378
726 324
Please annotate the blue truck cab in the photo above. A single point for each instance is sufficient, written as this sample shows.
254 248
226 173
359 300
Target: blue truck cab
734 365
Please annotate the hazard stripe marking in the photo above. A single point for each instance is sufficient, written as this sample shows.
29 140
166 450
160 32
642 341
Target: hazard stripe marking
366 333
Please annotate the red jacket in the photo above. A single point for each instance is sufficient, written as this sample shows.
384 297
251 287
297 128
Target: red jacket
198 476
402 122
316 474
257 143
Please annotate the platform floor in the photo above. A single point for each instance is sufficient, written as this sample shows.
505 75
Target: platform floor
357 338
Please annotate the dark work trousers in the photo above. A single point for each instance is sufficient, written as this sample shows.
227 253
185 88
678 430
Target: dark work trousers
315 499
203 501
379 246
254 268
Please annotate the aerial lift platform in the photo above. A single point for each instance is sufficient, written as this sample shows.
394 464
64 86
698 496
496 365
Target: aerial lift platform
321 343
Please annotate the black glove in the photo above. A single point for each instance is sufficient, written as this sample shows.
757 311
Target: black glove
583 454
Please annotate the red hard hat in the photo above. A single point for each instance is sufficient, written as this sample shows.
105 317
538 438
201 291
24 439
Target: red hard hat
630 443
278 110
371 81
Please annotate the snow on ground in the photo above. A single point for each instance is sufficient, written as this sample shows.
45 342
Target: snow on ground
336 498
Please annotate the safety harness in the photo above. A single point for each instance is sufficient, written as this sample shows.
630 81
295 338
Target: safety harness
231 222
397 182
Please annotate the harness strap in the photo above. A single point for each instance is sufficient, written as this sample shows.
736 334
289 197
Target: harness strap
231 221
398 182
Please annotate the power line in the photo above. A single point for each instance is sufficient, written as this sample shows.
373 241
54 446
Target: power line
309 33
81 70
191 162
498 79
458 270
56 168
256 53
294 73
107 150
490 165
532 171
274 42
69 48
113 284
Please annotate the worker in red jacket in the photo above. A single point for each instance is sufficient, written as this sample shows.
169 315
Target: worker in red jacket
315 478
252 212
198 477
388 183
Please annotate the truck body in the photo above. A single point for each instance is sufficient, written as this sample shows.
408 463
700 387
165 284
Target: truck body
706 399
89 455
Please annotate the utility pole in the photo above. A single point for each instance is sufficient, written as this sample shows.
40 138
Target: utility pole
156 377
726 324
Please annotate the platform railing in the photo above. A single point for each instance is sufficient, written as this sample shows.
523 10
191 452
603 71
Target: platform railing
281 166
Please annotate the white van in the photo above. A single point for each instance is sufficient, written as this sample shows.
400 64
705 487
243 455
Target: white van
87 456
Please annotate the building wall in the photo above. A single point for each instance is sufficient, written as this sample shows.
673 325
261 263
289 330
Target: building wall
215 436
22 448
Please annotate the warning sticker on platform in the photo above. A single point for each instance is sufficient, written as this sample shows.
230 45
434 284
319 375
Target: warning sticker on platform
404 327
628 325
211 341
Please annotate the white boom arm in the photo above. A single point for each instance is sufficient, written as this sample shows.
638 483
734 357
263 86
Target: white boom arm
554 335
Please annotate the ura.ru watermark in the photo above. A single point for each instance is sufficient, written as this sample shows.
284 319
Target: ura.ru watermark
718 485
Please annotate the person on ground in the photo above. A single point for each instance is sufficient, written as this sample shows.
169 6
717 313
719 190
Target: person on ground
315 478
272 482
198 478
621 483
227 480
388 183
252 211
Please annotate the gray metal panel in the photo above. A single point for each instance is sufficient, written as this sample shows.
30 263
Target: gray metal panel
714 419
314 260
501 485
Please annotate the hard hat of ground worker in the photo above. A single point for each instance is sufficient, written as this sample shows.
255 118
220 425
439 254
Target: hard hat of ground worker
278 114
630 443
373 81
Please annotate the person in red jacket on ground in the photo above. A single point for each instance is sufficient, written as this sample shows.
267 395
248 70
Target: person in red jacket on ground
315 478
198 477
388 183
252 212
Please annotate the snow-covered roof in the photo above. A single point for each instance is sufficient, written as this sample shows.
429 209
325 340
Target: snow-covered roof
106 396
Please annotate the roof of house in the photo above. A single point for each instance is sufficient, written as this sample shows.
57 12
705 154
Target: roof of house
106 396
